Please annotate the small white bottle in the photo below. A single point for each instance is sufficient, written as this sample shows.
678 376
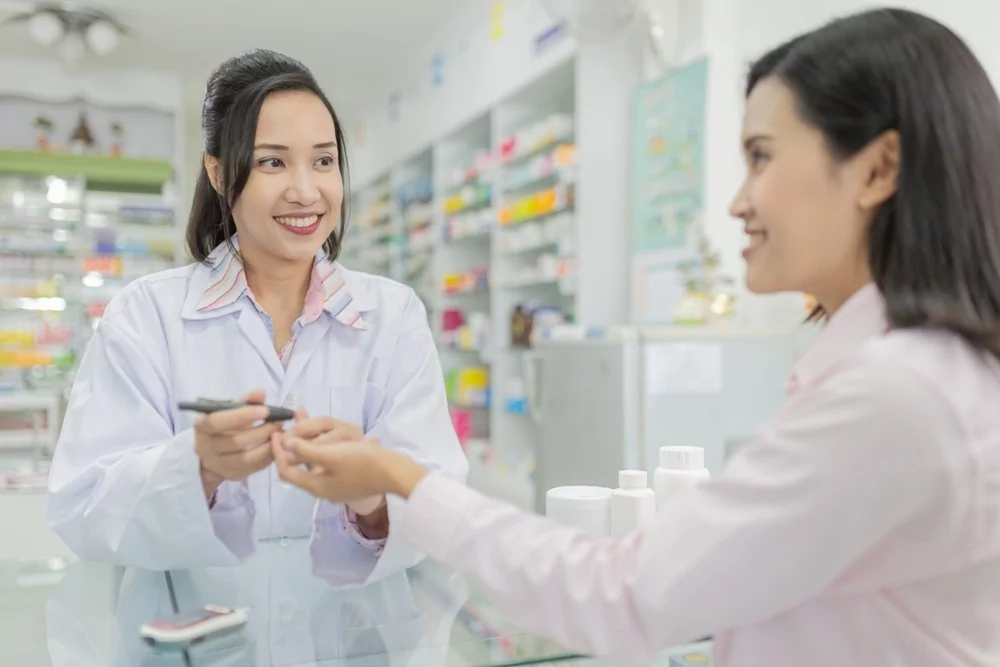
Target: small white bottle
680 467
633 504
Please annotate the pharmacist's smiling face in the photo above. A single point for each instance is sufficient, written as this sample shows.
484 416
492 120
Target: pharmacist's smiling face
291 202
798 211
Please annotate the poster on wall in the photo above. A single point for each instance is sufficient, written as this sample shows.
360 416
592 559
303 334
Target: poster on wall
668 187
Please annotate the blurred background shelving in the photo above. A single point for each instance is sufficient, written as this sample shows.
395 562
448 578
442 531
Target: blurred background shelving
485 234
75 228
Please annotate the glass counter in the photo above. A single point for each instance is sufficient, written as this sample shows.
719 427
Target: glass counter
61 613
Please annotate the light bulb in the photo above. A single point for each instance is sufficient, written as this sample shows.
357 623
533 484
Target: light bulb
46 28
72 48
102 38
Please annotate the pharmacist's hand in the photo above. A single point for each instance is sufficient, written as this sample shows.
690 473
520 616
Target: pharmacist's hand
232 444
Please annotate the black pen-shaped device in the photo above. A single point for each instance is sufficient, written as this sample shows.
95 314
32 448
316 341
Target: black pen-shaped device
207 407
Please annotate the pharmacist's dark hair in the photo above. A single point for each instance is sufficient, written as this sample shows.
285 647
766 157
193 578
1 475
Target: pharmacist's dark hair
235 93
934 247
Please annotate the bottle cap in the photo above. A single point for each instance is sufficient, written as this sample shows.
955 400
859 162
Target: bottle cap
682 458
632 479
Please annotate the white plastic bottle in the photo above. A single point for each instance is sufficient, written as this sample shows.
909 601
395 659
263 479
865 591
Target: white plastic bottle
633 504
680 467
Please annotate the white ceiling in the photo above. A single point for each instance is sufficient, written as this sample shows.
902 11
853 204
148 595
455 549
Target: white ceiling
352 46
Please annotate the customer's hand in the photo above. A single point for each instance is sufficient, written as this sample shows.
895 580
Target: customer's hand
232 444
324 431
330 431
345 471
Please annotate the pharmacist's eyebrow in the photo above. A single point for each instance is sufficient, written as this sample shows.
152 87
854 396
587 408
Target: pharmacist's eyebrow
279 147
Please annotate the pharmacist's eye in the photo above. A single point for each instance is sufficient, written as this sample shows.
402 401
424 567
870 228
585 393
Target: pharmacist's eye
271 162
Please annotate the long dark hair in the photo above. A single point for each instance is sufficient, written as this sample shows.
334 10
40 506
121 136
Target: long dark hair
934 247
235 93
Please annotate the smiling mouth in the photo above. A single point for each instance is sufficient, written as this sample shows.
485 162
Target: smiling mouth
757 239
300 224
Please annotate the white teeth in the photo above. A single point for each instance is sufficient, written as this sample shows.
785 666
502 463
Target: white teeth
299 222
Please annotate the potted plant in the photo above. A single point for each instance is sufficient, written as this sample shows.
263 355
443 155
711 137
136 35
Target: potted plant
82 140
44 127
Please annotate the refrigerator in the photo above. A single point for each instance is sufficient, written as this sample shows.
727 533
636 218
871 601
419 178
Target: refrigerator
607 399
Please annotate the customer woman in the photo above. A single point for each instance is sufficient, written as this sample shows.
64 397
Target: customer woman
265 313
863 527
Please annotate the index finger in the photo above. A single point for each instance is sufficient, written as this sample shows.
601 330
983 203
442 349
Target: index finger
310 428
289 470
225 421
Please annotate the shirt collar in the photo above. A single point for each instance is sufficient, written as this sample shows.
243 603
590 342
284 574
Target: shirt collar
328 289
861 318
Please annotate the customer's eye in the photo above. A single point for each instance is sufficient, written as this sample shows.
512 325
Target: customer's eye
271 162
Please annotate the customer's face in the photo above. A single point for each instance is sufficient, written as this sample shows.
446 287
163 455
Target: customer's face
800 205
291 202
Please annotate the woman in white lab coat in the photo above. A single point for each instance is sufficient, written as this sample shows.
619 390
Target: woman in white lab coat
863 526
265 314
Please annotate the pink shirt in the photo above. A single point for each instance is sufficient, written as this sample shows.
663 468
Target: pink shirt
862 528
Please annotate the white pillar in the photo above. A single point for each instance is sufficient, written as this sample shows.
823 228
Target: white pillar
606 77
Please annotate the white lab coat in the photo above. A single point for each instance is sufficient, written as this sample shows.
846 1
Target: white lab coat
125 486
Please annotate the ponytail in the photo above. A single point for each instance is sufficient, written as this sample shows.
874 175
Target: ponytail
209 225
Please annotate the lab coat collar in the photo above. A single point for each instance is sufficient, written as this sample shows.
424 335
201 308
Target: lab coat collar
861 318
218 284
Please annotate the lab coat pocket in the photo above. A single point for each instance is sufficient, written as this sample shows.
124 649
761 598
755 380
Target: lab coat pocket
360 405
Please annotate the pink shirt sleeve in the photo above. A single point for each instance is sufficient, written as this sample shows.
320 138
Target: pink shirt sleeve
349 519
846 465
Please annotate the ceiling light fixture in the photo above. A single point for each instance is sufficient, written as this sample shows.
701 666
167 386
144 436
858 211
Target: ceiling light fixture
73 29
46 28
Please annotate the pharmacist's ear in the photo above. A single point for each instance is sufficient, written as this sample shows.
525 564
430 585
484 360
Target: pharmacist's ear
214 172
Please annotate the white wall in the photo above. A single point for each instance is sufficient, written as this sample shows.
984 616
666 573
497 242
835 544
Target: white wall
48 80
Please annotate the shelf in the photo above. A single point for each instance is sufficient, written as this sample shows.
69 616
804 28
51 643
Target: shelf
546 281
537 216
551 178
531 151
28 401
477 292
482 235
417 224
473 180
100 171
468 406
534 247
456 348
468 208
25 439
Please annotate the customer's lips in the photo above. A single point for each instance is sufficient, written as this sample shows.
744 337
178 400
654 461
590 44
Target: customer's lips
758 237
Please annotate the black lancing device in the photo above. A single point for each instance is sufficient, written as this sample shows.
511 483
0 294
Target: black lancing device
207 406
